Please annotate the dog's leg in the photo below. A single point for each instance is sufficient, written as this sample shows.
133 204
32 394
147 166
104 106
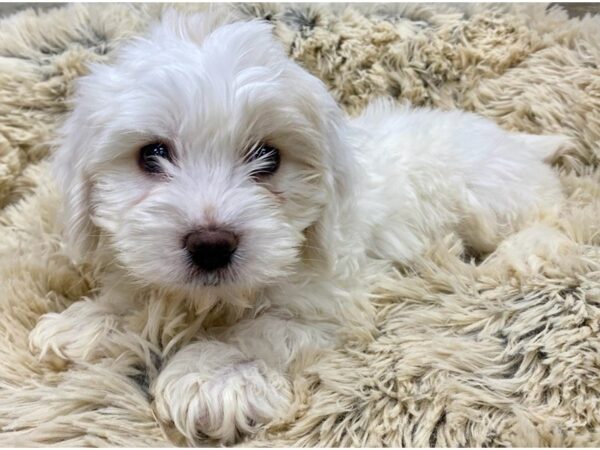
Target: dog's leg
82 332
228 387
211 388
279 340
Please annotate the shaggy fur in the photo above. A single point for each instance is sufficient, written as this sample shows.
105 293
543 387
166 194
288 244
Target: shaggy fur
501 352
348 198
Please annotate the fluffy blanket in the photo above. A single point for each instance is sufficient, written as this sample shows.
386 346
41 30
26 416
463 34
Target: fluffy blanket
503 351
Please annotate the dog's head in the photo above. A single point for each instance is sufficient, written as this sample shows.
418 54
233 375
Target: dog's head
205 157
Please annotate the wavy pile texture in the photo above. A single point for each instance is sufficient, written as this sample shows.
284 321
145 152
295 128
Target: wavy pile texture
500 352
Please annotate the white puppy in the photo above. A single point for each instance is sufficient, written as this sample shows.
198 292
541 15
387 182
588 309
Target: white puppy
206 164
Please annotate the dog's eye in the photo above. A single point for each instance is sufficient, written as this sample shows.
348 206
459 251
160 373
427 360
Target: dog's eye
150 154
267 160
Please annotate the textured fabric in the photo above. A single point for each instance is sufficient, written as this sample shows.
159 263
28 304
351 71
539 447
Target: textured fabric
499 352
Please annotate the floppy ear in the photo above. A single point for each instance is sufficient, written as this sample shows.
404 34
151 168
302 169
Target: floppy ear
69 169
332 238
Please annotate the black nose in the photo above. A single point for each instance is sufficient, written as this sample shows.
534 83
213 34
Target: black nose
211 249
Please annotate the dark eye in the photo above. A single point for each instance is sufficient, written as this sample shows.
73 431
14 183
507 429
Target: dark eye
150 155
266 159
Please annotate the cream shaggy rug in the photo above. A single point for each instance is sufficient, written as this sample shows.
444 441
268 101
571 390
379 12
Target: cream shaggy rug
499 352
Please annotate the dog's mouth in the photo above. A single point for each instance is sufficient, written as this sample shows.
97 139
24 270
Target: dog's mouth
213 278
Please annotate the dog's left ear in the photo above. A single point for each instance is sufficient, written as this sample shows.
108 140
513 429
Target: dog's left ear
332 238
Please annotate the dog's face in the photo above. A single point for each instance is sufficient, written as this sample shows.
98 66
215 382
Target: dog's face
204 156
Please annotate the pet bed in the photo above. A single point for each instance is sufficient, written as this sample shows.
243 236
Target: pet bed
501 351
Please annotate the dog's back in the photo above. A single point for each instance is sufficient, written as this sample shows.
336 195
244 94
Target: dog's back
430 172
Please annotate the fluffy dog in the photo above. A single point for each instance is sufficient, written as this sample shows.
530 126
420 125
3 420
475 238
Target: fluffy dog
206 164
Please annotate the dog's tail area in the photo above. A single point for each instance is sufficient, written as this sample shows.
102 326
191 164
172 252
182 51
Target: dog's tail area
547 147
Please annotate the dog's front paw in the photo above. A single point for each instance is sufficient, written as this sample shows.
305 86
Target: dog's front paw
74 334
230 402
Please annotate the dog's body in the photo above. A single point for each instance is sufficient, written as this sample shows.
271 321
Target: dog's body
334 201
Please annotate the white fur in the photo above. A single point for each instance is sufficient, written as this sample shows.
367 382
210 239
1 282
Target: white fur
351 197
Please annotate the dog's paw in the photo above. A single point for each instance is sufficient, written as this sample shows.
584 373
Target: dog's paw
73 335
233 401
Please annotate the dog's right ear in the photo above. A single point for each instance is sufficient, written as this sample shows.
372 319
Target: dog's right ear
75 185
